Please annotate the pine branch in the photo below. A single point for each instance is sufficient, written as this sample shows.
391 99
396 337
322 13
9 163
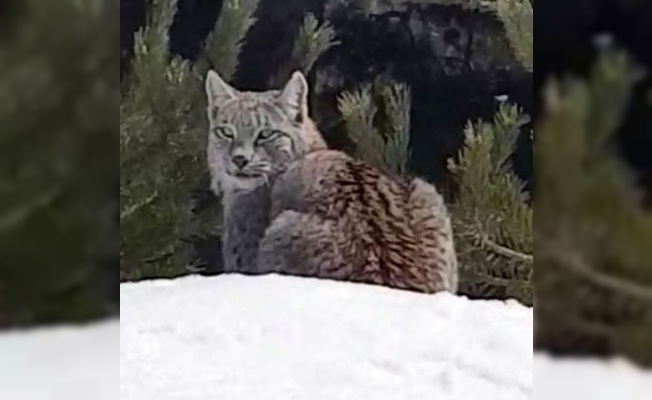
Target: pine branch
506 252
518 18
132 209
225 42
358 112
314 39
397 104
377 119
491 208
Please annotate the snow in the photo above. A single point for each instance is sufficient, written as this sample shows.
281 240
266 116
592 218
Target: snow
61 363
285 338
574 379
272 337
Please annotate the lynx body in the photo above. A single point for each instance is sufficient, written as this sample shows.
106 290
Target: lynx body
292 206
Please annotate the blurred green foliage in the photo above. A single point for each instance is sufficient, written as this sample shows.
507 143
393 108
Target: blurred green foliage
593 235
59 91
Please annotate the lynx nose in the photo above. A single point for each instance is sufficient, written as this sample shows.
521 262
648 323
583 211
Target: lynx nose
240 161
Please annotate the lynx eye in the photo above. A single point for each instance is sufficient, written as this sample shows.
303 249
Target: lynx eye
267 134
223 132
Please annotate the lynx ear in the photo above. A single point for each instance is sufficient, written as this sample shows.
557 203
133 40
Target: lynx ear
295 97
218 91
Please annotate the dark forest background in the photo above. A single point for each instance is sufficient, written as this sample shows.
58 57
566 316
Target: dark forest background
565 33
450 85
564 37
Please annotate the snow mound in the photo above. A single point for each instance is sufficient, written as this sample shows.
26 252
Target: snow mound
62 363
286 338
235 337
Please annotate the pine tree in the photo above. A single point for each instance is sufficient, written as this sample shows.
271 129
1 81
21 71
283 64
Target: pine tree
160 152
492 220
58 149
377 119
492 217
162 142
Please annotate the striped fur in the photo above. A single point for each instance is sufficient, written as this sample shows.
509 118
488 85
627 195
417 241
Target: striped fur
339 218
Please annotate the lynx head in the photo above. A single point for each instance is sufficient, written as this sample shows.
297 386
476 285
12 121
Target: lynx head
254 134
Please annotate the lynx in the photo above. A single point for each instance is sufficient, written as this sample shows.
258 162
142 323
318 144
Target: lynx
292 206
253 137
